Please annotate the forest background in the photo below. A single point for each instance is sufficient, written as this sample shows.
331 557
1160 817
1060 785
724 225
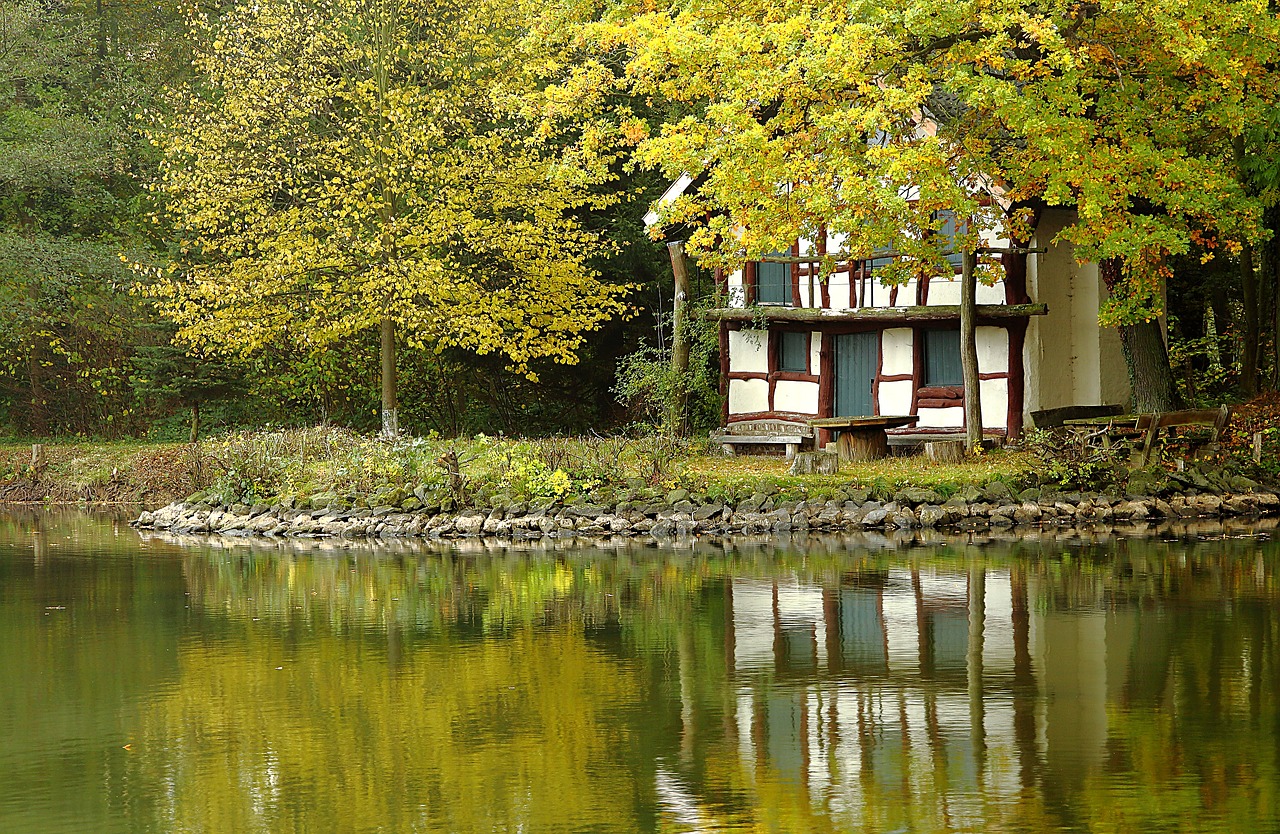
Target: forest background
83 353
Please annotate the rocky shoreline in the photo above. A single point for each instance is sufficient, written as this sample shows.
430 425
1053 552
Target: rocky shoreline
679 514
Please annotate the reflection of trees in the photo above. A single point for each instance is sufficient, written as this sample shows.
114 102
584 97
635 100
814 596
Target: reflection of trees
86 635
612 687
516 734
1179 677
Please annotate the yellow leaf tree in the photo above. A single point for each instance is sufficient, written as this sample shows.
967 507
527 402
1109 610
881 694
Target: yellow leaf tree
344 165
870 117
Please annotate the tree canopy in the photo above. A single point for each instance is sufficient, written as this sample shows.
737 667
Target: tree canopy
870 117
343 162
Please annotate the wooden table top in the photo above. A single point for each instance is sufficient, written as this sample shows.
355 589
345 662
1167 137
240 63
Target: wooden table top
879 422
1117 419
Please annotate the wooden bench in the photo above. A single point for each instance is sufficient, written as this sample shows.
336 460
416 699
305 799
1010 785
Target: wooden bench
1214 418
1052 418
1145 429
764 433
912 440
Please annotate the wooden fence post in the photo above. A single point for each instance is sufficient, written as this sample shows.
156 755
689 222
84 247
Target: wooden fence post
969 352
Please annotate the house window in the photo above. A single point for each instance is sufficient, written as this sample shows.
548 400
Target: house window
942 358
773 280
793 352
948 234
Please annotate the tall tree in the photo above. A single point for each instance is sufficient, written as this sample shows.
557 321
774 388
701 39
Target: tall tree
348 165
68 206
874 116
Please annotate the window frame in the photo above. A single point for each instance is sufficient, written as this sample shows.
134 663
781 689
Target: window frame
927 336
779 351
786 270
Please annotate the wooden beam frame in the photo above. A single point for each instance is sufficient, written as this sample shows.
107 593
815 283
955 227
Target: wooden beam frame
870 315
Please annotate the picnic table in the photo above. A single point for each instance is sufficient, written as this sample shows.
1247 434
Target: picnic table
860 439
1147 427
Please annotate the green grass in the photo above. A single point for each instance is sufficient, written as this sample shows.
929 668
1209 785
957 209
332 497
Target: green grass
742 473
265 465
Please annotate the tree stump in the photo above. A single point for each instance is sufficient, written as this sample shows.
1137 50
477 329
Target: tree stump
861 446
815 463
37 456
944 451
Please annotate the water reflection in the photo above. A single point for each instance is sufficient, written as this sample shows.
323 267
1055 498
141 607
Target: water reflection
1058 683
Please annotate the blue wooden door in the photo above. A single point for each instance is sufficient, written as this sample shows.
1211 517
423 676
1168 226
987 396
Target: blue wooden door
857 357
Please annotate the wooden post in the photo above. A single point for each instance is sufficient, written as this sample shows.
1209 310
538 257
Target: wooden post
862 446
195 422
969 352
680 331
944 451
37 456
390 418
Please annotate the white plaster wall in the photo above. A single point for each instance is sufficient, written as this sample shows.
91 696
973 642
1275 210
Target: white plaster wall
747 396
944 291
992 238
1069 359
842 297
1084 334
1113 371
749 351
737 289
995 403
993 349
895 397
906 295
815 351
895 349
989 295
1049 354
941 417
793 395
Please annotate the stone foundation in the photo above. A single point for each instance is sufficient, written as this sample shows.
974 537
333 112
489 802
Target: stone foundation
995 506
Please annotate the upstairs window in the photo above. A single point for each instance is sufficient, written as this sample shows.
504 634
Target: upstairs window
948 234
773 280
942 358
793 352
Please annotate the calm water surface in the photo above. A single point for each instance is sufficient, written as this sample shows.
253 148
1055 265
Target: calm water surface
1102 684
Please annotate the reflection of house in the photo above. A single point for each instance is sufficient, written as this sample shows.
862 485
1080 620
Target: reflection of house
845 345
920 686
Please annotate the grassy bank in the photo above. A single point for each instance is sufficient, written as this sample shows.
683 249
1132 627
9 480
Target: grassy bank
331 466
256 467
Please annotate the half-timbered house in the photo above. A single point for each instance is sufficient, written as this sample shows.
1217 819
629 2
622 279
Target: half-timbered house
796 345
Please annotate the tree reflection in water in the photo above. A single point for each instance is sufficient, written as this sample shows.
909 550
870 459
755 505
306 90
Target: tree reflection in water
1028 683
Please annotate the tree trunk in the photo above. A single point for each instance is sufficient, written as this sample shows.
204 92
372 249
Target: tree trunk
390 417
1145 355
195 422
680 336
1269 276
969 353
815 463
944 451
38 420
1149 373
862 446
1249 298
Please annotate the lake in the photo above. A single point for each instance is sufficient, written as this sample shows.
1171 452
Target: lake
1092 682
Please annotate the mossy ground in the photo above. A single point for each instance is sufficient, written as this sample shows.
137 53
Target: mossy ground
257 466
263 465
